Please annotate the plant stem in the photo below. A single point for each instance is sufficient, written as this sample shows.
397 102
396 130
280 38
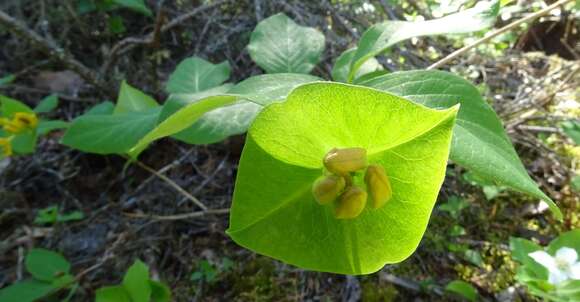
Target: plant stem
500 31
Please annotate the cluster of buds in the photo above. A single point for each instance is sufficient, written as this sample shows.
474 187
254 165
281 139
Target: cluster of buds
351 200
20 122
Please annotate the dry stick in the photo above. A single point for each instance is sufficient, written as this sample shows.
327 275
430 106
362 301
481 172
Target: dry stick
508 27
180 216
52 50
129 43
172 184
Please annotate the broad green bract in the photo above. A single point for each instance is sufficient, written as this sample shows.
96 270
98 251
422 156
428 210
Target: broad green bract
274 212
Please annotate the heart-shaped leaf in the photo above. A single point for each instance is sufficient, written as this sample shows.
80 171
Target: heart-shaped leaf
381 36
46 265
278 45
479 140
133 100
194 74
274 211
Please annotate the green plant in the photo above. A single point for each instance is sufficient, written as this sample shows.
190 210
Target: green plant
454 206
552 273
209 273
21 125
50 274
407 123
51 215
462 289
136 287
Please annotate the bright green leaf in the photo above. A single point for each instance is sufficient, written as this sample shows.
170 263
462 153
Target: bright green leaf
47 104
108 134
474 257
479 140
572 129
136 282
274 212
569 239
135 5
383 35
26 291
9 106
521 248
194 75
280 45
133 100
160 292
180 120
46 265
342 66
113 294
463 289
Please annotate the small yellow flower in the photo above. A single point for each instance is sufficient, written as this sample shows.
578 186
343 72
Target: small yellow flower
6 146
21 122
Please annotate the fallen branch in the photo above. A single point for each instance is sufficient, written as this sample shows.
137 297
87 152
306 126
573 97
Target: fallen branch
179 216
496 33
170 182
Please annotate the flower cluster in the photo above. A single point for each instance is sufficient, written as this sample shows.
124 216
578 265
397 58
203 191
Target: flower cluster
18 124
337 184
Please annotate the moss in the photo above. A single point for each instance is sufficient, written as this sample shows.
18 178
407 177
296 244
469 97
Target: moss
376 291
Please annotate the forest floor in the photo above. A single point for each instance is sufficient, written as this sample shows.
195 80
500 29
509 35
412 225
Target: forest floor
131 213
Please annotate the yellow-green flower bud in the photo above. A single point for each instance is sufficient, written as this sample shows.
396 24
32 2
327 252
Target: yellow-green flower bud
352 202
29 120
326 189
378 185
343 161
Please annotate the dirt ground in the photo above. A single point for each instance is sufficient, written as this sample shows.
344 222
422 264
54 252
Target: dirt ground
132 213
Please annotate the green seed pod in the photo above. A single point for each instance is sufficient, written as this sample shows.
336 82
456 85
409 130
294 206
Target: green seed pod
326 189
343 161
352 202
378 185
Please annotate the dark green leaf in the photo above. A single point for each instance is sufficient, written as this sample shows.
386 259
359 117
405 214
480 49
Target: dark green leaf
194 75
47 104
26 291
280 45
463 289
160 292
45 127
479 140
135 5
133 100
46 265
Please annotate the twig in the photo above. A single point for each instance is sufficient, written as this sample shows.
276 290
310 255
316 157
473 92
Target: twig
52 50
127 44
180 216
495 33
172 184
